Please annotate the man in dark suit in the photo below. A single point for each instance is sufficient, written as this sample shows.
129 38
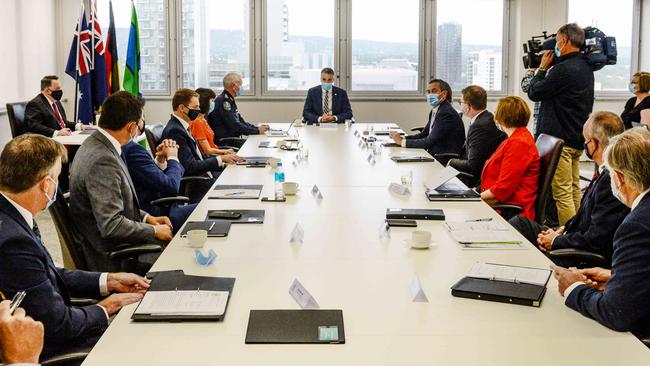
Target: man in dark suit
28 184
600 213
44 114
225 119
620 299
157 178
483 136
103 199
327 103
444 133
186 109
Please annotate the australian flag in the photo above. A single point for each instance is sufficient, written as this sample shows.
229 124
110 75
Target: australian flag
79 67
98 68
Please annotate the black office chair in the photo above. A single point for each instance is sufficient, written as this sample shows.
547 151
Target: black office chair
234 143
16 114
549 149
125 256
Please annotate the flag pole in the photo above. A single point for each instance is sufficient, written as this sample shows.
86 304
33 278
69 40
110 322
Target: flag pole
76 74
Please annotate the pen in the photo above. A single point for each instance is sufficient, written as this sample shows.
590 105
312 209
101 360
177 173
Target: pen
233 193
479 220
211 226
15 302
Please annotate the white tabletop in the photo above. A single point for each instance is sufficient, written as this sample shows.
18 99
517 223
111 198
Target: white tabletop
75 139
345 265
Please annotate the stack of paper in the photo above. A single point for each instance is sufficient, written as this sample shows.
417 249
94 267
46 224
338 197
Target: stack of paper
500 272
489 234
193 302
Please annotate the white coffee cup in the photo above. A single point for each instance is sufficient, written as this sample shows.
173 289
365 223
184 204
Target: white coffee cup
281 143
273 162
420 239
197 238
290 188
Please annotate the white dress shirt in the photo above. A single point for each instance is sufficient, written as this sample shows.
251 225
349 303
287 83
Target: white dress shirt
29 219
635 203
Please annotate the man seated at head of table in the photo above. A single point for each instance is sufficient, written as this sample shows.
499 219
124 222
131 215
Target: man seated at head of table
28 185
620 298
483 136
327 103
103 200
444 133
225 120
511 174
593 227
45 115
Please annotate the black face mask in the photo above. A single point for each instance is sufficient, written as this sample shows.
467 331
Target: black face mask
590 154
193 114
57 94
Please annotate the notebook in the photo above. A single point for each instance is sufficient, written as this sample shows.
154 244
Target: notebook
295 327
215 228
251 191
412 159
254 160
415 214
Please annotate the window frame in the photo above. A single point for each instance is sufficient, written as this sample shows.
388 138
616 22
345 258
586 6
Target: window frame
167 54
263 79
635 55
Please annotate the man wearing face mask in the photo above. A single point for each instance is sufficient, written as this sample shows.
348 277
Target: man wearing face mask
103 199
186 109
44 114
600 213
566 94
327 103
28 185
444 133
620 298
225 120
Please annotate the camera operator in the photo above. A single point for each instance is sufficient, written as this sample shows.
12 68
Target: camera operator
566 93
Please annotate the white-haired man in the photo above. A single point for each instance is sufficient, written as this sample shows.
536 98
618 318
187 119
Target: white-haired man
225 119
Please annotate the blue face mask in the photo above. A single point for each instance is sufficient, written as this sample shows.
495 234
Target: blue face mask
50 201
212 106
239 91
327 86
433 99
556 50
631 88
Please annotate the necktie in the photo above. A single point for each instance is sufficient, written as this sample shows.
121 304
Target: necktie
326 104
37 231
58 115
593 180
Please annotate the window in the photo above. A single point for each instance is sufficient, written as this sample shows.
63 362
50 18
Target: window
385 53
215 39
616 21
469 49
299 42
153 40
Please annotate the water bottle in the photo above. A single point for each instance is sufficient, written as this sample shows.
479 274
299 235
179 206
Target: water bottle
279 179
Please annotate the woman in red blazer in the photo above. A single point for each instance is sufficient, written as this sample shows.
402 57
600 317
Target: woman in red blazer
511 174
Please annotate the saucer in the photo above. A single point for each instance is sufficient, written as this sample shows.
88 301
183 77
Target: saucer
409 242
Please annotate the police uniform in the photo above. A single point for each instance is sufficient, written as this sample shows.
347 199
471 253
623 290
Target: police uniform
226 121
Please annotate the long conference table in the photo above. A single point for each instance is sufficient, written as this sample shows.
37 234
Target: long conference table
345 265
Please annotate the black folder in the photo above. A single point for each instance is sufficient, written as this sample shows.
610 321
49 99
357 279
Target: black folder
499 291
247 216
295 327
178 281
415 214
215 228
255 160
412 159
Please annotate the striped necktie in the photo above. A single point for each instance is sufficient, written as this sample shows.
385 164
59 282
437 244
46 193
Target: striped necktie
326 103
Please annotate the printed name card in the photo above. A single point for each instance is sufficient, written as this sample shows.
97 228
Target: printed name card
400 189
302 296
297 234
417 293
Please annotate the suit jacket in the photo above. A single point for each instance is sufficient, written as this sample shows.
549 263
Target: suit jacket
151 183
25 265
447 135
313 108
40 119
104 203
226 121
593 227
624 305
190 158
483 138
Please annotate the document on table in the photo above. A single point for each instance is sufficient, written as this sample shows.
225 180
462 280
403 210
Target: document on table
236 192
499 272
187 302
441 178
483 235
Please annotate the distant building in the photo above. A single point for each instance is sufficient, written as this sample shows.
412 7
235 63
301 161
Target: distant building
449 54
484 69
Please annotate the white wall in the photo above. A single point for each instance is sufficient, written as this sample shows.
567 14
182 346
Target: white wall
28 43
